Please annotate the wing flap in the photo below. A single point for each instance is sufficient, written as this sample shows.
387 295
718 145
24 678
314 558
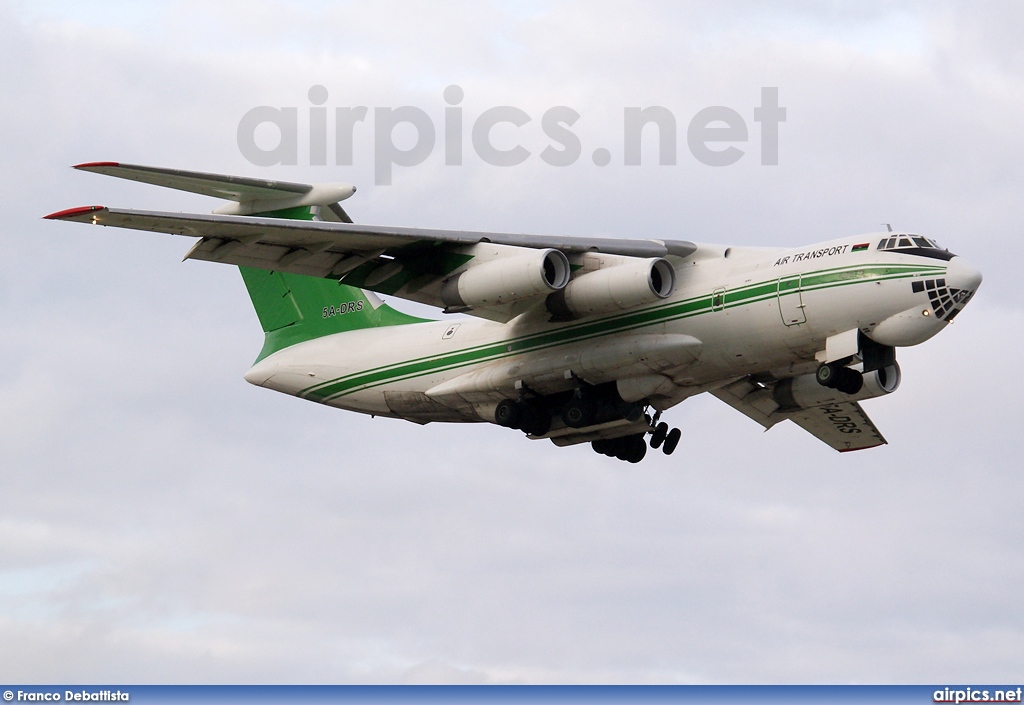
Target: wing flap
751 399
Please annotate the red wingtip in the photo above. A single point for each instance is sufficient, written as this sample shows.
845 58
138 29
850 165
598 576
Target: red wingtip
89 164
72 212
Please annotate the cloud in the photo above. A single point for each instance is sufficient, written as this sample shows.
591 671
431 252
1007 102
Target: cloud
162 520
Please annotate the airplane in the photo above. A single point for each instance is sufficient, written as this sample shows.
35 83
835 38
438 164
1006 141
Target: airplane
572 339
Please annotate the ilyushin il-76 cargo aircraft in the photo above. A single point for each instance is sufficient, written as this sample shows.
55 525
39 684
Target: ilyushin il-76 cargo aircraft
577 340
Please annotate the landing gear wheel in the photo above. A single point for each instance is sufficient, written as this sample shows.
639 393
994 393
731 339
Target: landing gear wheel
632 449
658 437
536 421
827 375
849 381
604 446
578 413
638 449
671 441
508 414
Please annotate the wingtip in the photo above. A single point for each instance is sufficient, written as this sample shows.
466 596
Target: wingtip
72 212
850 450
88 165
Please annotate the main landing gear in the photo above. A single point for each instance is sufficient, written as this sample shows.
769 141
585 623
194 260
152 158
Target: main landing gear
840 377
633 448
533 419
589 406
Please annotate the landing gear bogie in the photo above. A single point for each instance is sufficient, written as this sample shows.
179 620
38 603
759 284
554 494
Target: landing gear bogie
631 449
578 412
531 418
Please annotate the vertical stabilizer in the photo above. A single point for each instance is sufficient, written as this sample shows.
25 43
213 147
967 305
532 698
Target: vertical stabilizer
293 308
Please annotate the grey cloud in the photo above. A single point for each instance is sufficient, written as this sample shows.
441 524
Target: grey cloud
161 520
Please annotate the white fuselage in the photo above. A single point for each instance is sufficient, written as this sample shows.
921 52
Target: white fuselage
734 312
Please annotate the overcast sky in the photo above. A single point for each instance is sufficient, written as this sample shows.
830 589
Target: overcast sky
161 520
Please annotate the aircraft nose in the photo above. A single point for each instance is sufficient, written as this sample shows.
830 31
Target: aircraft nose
953 292
962 275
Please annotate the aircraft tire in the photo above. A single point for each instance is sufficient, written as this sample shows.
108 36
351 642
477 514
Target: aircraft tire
578 413
849 381
607 446
658 437
827 375
631 449
537 421
671 441
637 449
508 414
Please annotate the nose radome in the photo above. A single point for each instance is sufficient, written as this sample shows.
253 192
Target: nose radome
961 274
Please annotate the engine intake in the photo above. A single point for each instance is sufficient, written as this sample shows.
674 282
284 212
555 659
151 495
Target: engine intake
507 279
612 289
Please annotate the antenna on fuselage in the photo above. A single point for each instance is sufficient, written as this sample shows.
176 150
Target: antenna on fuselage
887 227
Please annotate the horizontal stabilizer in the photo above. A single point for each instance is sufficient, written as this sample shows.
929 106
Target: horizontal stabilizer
252 195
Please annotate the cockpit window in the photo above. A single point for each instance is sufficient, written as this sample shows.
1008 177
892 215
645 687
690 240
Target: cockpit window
914 244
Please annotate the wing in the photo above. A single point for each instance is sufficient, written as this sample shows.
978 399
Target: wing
843 426
410 263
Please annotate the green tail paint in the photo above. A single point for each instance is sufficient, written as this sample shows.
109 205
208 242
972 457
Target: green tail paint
293 308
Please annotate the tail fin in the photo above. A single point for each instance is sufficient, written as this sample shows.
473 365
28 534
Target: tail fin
293 308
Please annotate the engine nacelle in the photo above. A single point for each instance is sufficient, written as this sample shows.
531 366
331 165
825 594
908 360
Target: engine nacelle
507 279
615 288
804 392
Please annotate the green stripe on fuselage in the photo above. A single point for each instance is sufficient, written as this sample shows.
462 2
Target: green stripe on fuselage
740 296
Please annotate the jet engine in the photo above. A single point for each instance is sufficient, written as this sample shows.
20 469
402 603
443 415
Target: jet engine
507 279
616 288
804 392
